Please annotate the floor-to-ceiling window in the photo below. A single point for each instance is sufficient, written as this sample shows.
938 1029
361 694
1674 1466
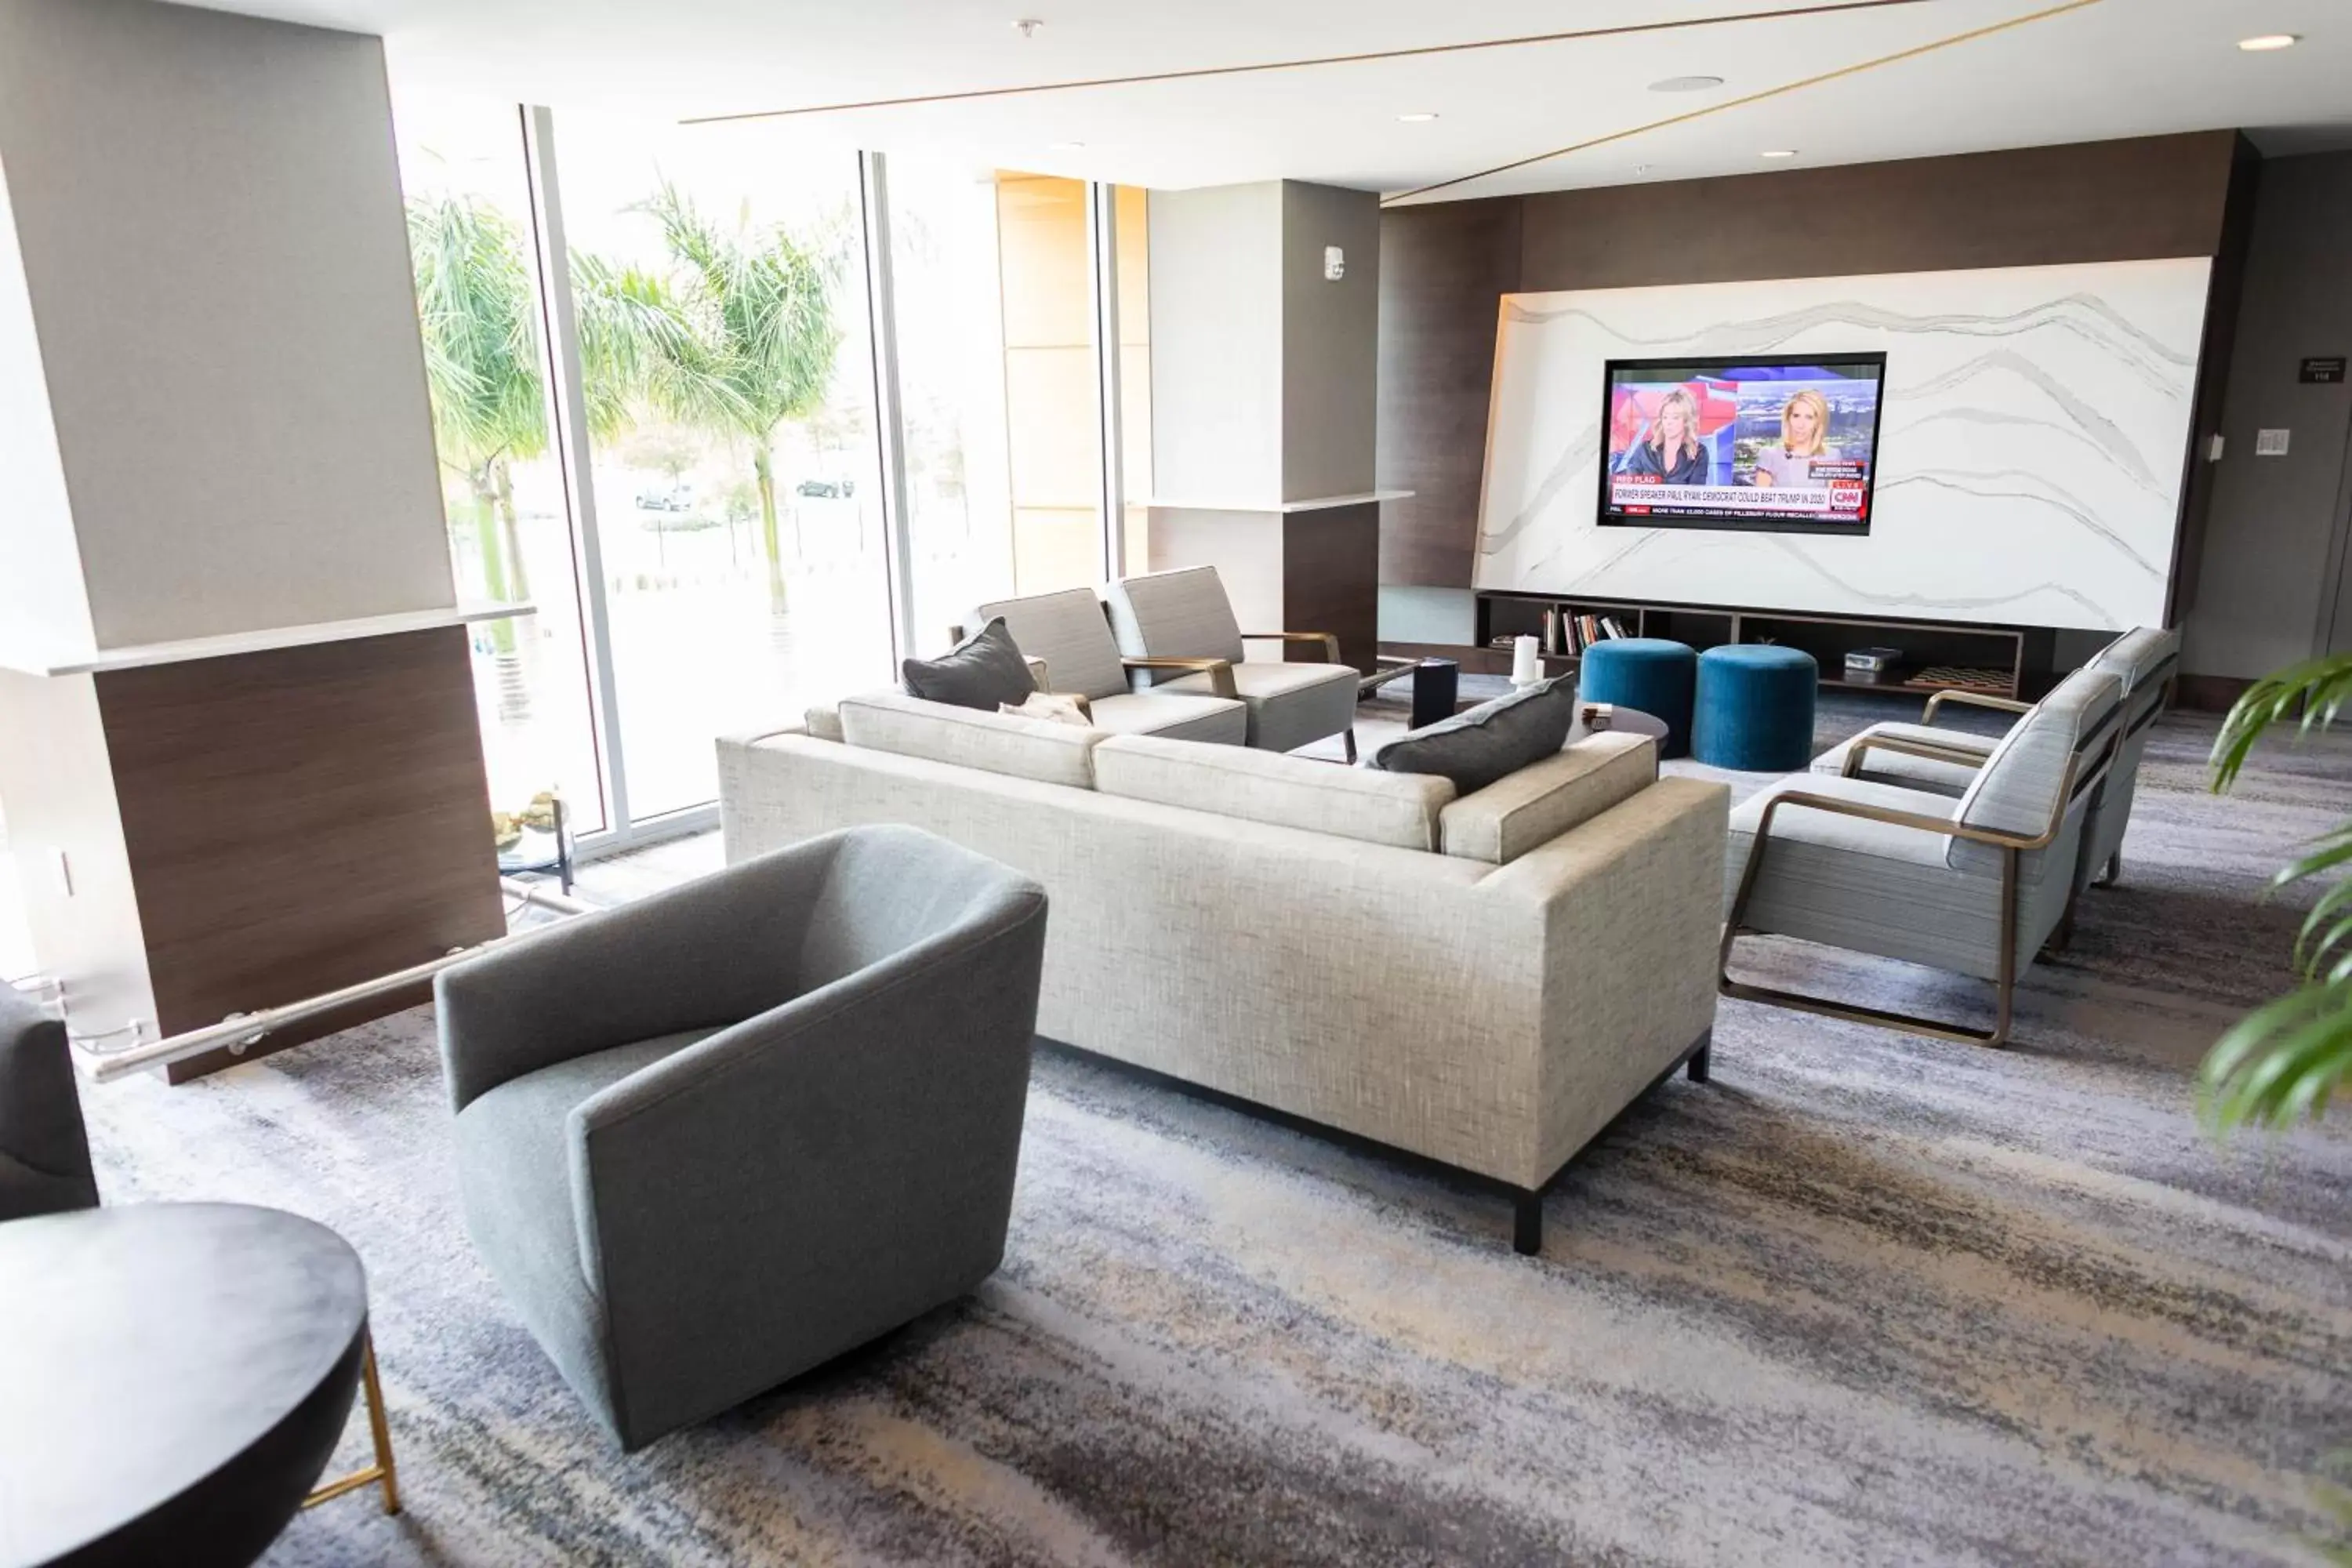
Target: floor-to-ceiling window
683 471
477 283
719 288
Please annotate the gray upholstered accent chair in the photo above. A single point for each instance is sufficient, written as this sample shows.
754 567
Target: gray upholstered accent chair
713 1138
1185 613
1974 885
44 1148
1067 633
1946 761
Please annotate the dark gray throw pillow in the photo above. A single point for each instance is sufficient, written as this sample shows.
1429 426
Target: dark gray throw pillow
982 671
1490 741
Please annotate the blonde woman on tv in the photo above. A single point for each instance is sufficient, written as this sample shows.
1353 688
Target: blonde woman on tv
1672 450
1804 426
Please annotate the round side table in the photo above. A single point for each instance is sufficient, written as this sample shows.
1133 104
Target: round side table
176 1376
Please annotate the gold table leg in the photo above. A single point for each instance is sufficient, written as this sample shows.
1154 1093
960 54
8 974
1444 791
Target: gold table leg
384 1471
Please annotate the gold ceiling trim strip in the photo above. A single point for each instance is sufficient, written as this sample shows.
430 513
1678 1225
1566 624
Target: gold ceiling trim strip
1725 108
1831 7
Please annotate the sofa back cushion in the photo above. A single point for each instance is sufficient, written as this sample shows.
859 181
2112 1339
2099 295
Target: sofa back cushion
1396 809
1537 804
1182 613
1490 741
1035 749
1068 632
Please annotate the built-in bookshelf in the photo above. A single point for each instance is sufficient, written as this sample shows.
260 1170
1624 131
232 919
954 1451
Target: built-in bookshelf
2007 660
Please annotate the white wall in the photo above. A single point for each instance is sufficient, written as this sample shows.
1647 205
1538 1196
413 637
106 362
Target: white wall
1216 343
43 607
2033 432
209 217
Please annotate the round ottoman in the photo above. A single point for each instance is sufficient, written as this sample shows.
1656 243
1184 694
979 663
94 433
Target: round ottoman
1649 673
1755 707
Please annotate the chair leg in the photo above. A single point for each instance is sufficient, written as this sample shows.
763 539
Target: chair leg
2114 870
383 1472
1526 1223
1700 1066
1348 737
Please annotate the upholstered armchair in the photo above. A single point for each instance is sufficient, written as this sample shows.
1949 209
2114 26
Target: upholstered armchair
1944 761
44 1148
713 1138
1185 614
1974 885
1067 634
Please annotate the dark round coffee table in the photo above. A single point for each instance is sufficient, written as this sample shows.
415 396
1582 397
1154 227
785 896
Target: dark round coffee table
175 1377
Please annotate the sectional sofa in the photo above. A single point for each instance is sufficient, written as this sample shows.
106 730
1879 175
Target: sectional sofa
1485 982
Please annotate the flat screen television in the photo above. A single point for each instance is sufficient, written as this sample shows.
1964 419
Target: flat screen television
1764 446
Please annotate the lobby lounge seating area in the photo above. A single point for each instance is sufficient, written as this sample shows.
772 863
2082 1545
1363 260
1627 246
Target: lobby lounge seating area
802 784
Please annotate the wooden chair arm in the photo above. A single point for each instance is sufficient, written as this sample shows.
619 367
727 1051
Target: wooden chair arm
1866 744
1974 700
1220 671
1329 640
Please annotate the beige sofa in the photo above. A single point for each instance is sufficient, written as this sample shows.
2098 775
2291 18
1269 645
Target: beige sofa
1485 981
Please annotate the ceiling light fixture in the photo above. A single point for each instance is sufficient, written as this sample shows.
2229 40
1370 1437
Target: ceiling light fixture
1028 27
1065 146
1777 152
2266 42
1420 117
1687 84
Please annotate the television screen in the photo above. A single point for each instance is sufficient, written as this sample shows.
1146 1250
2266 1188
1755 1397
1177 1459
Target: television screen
1785 446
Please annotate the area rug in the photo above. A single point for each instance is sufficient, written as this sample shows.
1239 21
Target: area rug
1865 1299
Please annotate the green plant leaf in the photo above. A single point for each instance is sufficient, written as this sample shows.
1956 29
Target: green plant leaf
2281 1062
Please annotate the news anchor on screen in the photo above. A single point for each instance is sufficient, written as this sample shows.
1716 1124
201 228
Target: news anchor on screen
1671 452
1804 426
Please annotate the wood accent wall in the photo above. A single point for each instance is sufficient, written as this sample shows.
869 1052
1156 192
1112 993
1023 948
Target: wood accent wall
1330 582
1445 266
300 820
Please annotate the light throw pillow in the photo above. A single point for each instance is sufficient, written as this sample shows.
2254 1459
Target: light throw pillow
1054 706
1490 741
984 671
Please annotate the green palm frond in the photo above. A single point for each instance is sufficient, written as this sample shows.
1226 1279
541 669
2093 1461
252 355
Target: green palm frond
477 303
2284 1061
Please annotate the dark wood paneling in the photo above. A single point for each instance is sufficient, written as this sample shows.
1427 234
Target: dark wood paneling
1330 580
1444 267
299 820
2098 201
1443 272
2209 693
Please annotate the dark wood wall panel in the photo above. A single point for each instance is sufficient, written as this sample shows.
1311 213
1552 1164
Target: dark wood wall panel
1444 267
1330 581
300 820
2099 201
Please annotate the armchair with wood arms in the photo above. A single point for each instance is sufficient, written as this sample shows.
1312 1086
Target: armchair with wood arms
1976 885
1184 615
1066 635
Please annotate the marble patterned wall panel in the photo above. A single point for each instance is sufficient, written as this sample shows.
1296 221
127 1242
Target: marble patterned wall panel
2034 426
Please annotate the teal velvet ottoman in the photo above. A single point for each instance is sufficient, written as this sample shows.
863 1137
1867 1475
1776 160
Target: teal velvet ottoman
1651 674
1755 707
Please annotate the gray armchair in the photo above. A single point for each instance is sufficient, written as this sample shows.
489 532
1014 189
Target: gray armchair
1066 635
1184 614
44 1148
713 1138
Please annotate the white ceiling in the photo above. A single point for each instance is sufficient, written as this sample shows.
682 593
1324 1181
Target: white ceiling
2112 67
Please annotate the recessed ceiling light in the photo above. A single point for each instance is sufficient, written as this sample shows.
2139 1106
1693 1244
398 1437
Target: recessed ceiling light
1687 84
1419 118
1777 152
2266 41
1065 146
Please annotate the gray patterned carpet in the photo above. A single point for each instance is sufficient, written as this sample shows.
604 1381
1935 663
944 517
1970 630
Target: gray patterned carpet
1867 1299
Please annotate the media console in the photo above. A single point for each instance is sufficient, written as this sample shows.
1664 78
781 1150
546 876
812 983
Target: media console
2008 661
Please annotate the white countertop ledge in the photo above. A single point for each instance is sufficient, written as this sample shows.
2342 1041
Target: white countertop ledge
232 643
1317 503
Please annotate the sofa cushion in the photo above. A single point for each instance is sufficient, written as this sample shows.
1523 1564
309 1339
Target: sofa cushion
823 720
1491 740
1396 809
1544 799
995 743
1175 717
985 671
1290 705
